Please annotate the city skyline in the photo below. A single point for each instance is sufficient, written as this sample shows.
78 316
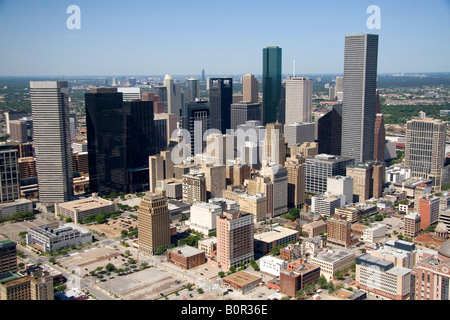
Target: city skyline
184 41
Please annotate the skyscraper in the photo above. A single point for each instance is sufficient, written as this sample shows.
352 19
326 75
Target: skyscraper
244 111
105 122
9 174
358 110
298 99
425 148
272 106
196 119
174 99
220 99
380 132
193 88
50 110
153 224
329 131
234 238
250 88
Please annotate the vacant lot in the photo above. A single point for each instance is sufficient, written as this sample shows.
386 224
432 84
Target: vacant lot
113 228
11 230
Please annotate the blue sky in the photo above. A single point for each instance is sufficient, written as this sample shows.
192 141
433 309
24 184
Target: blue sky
147 37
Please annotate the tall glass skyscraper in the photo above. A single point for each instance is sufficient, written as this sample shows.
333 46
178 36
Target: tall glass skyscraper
273 110
50 111
360 84
220 99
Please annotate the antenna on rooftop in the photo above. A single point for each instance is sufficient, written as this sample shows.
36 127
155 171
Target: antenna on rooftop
293 66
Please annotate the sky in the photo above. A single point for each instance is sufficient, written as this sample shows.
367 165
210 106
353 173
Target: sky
182 37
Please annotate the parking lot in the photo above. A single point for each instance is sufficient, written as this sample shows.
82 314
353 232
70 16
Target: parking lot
11 230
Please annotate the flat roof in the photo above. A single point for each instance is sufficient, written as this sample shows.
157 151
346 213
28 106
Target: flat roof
399 271
85 204
275 234
186 251
334 255
242 278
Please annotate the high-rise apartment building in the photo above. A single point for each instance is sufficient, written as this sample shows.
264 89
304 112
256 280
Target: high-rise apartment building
298 99
250 88
425 148
153 223
234 232
359 104
50 111
273 110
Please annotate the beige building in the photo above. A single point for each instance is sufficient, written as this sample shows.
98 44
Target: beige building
305 150
14 286
215 178
209 245
332 261
412 225
171 123
194 187
27 167
339 231
156 171
274 143
79 209
296 184
261 185
315 228
254 204
249 88
153 223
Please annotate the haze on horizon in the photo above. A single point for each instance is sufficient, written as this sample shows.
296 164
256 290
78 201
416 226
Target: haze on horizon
182 38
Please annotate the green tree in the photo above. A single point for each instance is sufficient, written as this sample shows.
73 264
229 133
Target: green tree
110 267
331 287
323 283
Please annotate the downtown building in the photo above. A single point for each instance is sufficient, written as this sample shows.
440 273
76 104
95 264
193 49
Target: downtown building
298 100
359 104
234 232
220 100
273 109
425 148
50 112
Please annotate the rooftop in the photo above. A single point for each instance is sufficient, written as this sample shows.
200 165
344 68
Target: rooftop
85 204
275 234
242 278
333 256
186 251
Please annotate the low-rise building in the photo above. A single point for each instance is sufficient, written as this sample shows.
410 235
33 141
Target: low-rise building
209 246
332 261
374 233
295 279
272 265
203 217
48 239
242 281
186 257
315 228
266 241
15 286
79 209
17 206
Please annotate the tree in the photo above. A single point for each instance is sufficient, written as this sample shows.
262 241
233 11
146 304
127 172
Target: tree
323 283
68 219
330 287
300 294
160 250
110 267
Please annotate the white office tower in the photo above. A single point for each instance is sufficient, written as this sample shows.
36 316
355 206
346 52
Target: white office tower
174 96
203 217
298 99
131 93
50 111
341 185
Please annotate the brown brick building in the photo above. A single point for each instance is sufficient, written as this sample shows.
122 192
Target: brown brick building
297 277
186 257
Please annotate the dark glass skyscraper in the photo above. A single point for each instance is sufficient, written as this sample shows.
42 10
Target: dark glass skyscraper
329 131
196 119
220 98
105 124
273 110
360 84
